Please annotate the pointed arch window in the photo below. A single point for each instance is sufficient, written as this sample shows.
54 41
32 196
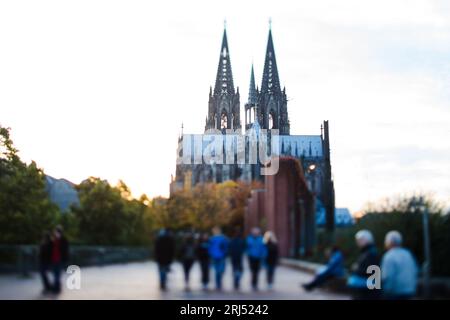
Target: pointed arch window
272 120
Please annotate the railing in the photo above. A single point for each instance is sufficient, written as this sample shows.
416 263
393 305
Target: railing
24 258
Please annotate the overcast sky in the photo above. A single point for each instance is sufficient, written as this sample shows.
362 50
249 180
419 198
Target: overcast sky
100 88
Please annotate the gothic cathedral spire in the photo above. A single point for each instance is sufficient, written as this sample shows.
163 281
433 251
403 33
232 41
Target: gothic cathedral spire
252 95
271 80
272 104
224 78
224 105
252 102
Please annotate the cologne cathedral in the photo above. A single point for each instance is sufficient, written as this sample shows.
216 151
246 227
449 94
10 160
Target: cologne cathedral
265 108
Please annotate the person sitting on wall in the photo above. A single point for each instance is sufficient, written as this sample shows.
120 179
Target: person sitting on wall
368 257
399 269
334 269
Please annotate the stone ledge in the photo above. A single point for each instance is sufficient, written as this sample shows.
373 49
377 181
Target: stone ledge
310 267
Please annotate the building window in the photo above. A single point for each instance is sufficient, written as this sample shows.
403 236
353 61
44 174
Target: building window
271 120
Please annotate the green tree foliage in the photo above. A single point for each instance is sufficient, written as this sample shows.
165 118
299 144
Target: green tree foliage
109 215
25 209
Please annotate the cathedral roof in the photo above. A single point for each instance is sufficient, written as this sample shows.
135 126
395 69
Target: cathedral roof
301 145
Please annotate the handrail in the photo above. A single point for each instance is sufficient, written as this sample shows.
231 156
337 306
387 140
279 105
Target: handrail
24 258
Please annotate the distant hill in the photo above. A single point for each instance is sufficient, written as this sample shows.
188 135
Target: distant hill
62 192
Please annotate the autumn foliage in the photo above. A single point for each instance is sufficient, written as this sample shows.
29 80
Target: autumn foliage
205 206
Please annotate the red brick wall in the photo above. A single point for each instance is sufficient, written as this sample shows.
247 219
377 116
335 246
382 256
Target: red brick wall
278 206
281 207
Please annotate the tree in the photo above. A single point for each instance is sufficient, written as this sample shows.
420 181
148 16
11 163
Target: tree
205 206
109 215
25 209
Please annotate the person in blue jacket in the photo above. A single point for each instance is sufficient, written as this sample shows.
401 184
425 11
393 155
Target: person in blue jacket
256 252
334 269
218 249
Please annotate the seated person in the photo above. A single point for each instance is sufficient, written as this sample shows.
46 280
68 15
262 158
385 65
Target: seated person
334 269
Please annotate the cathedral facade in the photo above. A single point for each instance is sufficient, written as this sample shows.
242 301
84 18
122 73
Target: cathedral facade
265 111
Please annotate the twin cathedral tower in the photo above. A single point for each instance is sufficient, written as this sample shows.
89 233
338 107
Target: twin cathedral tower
266 108
267 105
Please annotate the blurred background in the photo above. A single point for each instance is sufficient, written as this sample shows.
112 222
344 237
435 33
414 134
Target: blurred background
95 97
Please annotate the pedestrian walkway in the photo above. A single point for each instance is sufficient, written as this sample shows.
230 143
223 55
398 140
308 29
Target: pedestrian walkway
140 281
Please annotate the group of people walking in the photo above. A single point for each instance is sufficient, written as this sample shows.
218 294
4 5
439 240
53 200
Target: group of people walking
53 257
399 271
262 251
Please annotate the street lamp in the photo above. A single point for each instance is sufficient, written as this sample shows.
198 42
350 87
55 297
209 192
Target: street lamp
426 266
311 171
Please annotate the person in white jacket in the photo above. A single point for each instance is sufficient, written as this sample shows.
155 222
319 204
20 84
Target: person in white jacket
398 268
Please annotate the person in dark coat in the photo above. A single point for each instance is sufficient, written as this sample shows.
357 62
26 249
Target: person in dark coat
188 255
45 254
271 256
59 257
236 250
164 254
368 257
204 259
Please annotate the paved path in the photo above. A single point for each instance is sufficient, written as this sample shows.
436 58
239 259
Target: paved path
140 281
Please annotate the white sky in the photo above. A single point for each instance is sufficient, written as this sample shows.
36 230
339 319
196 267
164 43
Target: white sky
101 87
